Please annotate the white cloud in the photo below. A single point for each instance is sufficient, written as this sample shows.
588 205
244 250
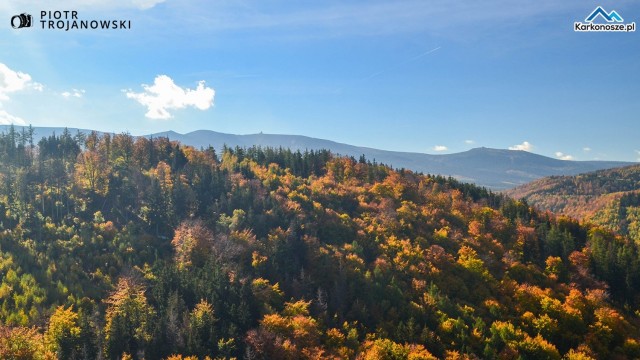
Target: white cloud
525 146
78 93
563 156
638 152
165 95
440 148
469 142
8 119
12 81
586 149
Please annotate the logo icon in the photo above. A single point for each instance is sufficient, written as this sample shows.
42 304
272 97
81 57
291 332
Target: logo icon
610 17
613 22
21 21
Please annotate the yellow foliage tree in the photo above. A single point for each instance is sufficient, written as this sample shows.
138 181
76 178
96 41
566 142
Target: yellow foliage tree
63 332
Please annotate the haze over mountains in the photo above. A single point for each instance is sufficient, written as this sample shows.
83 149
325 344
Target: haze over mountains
497 169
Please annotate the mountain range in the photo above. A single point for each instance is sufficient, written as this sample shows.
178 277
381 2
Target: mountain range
496 169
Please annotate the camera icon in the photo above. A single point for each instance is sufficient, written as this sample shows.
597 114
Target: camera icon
21 21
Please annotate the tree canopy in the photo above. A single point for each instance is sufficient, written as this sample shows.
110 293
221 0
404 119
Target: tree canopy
119 247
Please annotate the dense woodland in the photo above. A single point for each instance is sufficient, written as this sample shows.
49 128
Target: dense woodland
609 198
114 247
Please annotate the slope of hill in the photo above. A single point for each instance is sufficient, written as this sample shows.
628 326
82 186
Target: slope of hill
493 168
610 198
151 249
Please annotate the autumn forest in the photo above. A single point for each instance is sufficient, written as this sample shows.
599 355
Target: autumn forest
122 247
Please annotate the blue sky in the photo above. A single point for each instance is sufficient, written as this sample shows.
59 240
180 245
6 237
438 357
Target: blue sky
433 76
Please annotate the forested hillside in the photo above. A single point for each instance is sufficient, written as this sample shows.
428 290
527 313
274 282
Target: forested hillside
610 198
118 248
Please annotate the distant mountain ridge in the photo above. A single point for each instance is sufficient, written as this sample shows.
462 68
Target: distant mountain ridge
496 169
